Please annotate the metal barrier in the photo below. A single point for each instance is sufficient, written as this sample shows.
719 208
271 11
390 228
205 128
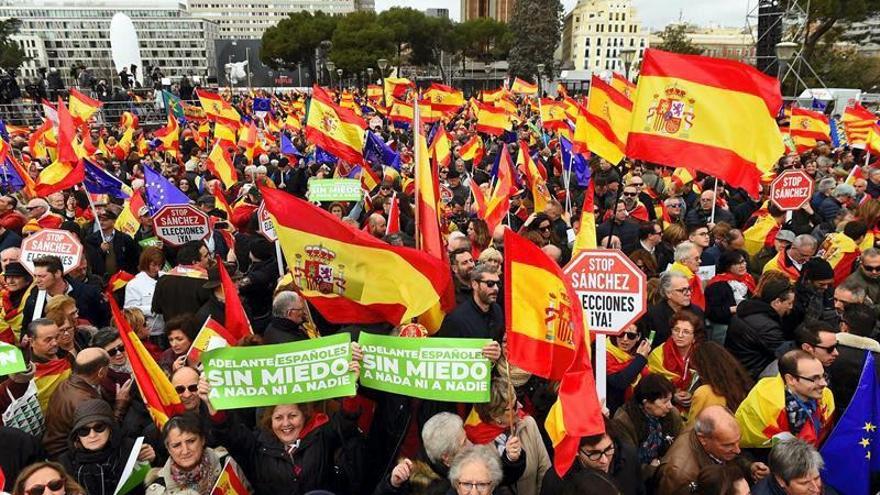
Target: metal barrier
149 112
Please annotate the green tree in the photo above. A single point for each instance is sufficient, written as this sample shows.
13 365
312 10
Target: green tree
359 40
535 28
11 54
675 39
404 23
294 40
482 39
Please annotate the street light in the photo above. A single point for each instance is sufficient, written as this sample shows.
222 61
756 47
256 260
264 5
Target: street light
540 80
487 68
785 52
627 55
382 64
339 73
370 75
330 66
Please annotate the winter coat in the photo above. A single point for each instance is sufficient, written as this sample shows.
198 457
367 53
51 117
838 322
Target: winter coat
99 471
625 471
846 370
281 330
754 335
160 482
681 465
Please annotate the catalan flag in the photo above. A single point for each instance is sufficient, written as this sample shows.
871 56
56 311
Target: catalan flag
537 182
492 120
856 122
524 88
473 150
221 166
217 109
872 141
586 235
607 119
82 107
623 85
446 99
159 395
349 275
717 116
337 130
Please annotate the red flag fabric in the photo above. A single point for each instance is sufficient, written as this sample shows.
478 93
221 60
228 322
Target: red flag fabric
237 322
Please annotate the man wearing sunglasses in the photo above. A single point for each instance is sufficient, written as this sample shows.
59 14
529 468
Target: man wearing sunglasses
868 274
816 337
480 316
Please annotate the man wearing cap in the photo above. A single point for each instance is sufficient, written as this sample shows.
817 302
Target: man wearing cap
791 261
109 251
18 286
459 191
10 218
38 209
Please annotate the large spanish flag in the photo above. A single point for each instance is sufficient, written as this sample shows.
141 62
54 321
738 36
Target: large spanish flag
713 115
401 113
492 120
217 109
67 170
446 99
809 124
220 164
608 116
586 235
335 129
82 107
396 87
553 114
523 87
537 183
161 399
349 275
473 150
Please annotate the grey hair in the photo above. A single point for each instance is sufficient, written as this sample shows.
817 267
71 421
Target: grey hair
683 250
793 459
666 281
826 184
35 324
481 269
805 240
704 426
853 287
442 435
870 253
844 190
679 200
283 302
477 453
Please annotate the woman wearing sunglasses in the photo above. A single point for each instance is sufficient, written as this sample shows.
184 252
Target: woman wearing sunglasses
97 449
46 478
627 362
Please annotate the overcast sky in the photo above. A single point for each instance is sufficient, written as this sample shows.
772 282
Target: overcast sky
654 13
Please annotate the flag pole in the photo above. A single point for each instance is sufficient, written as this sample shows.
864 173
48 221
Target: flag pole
714 200
95 212
417 124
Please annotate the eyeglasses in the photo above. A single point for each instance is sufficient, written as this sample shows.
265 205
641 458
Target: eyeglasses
702 233
489 283
476 486
682 331
873 269
829 349
637 184
630 335
53 485
183 388
85 430
630 195
116 350
814 379
683 291
545 228
595 455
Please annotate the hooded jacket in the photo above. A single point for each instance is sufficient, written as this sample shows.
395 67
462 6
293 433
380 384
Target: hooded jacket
754 335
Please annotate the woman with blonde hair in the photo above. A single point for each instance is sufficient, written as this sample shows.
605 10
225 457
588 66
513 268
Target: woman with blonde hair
62 310
492 257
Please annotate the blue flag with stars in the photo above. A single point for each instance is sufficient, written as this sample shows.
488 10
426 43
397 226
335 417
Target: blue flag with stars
10 180
575 161
851 452
376 151
98 181
287 147
160 192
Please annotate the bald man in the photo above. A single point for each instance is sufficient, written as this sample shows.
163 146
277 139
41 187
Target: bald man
89 369
376 225
186 383
553 252
714 439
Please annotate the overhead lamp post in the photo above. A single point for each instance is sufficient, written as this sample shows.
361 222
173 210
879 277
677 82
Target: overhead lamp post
382 64
339 79
627 56
488 69
540 80
785 53
369 75
330 66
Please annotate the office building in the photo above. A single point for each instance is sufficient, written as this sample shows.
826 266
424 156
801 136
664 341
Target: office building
500 10
595 31
441 13
248 19
719 42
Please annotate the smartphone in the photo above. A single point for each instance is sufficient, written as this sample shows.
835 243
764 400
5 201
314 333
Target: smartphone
651 336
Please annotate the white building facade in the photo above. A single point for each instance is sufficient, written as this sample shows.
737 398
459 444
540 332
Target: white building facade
248 19
595 32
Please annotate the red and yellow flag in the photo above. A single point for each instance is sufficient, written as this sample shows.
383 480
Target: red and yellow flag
552 114
67 170
236 320
809 124
328 260
427 113
220 164
523 87
335 129
473 150
445 99
537 182
159 395
441 148
841 252
229 482
498 204
401 113
218 109
857 120
82 107
396 87
607 120
716 116
623 85
872 141
586 235
169 137
492 120
119 280
211 336
47 377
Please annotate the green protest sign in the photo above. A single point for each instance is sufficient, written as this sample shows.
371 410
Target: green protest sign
11 360
334 190
437 369
291 373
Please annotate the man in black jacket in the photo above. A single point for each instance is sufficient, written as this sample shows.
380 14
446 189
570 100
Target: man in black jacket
856 339
288 316
756 332
49 277
109 250
479 317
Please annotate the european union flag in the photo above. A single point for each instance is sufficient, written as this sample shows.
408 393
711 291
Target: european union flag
160 192
10 180
262 105
287 147
98 181
575 161
3 132
851 452
378 152
322 156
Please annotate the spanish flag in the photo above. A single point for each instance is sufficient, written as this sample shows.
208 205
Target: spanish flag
761 234
235 318
47 377
36 140
441 148
350 276
623 85
220 164
221 204
169 136
872 142
211 336
579 143
129 221
374 92
762 415
809 124
856 122
840 252
586 235
335 129
82 107
608 117
218 109
396 88
427 113
159 395
716 116
537 183
401 113
446 99
224 133
491 96
523 87
67 170
479 199
498 204
128 119
123 147
552 114
119 280
230 482
539 310
473 150
247 139
492 120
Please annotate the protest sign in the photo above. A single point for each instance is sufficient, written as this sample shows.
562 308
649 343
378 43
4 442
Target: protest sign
437 369
290 373
11 359
334 190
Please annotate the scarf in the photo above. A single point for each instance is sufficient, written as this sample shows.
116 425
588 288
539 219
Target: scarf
799 412
745 279
650 448
617 359
202 477
677 364
480 432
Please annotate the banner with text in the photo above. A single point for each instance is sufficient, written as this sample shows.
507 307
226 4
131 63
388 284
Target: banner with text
292 373
334 189
451 370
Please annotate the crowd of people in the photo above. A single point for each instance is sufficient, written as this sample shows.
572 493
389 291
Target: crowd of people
758 325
